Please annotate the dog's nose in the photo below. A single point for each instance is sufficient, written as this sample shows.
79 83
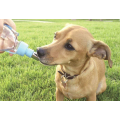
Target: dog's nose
40 52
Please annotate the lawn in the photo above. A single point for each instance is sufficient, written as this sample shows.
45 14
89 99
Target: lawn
24 79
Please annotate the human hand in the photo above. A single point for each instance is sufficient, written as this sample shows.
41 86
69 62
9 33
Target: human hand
5 44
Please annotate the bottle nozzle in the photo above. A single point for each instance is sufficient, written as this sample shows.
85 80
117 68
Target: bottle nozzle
35 56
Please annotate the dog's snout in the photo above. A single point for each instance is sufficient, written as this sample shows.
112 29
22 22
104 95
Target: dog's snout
41 52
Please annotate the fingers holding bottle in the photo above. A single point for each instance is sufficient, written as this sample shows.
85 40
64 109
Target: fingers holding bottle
4 43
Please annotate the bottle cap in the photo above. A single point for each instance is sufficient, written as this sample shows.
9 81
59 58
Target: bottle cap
29 52
24 50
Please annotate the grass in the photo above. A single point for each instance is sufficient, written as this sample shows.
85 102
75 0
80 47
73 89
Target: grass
24 79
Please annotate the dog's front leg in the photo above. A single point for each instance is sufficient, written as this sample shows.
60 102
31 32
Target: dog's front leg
59 95
91 97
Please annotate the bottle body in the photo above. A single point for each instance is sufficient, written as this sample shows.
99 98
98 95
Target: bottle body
8 39
19 47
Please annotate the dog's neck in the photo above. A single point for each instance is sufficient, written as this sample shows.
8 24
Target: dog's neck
77 68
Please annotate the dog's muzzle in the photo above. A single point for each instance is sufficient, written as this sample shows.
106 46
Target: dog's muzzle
44 57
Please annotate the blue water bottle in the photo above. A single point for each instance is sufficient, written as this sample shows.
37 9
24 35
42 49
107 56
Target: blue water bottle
19 47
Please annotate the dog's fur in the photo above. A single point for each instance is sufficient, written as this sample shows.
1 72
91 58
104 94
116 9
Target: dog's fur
86 61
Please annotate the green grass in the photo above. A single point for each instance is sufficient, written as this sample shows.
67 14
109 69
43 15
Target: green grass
24 79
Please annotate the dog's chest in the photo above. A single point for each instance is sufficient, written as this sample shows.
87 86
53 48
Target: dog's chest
71 89
72 92
75 88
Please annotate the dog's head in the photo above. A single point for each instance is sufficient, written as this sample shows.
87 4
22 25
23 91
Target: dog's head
72 44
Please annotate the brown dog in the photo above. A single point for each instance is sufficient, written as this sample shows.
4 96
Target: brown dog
81 68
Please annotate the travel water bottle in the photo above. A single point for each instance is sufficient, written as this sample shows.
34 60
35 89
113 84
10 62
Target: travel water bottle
19 47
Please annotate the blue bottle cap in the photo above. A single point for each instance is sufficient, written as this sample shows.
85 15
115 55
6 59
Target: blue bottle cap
24 50
29 52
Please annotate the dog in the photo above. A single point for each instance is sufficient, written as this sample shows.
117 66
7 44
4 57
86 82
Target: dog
80 63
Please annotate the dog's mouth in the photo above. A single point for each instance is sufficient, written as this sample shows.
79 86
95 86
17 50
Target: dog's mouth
44 57
46 61
47 64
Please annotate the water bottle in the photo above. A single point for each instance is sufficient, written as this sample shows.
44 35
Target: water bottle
19 47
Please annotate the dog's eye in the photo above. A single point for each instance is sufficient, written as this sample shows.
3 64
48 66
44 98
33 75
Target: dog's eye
69 47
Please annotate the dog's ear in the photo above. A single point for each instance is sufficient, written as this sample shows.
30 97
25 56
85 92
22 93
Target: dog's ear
101 51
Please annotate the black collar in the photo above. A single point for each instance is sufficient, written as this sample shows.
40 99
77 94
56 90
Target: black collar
66 75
